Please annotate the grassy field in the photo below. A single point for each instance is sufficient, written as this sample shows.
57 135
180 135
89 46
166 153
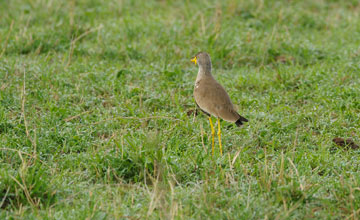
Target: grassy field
96 101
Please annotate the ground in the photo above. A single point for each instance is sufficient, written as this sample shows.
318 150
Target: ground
96 109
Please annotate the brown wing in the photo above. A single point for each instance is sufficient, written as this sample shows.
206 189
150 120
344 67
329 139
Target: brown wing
213 99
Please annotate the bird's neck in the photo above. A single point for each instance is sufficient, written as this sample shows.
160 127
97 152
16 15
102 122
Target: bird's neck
205 68
203 72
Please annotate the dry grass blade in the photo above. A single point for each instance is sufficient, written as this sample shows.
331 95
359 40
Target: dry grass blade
23 101
136 118
76 116
236 156
24 153
24 188
4 198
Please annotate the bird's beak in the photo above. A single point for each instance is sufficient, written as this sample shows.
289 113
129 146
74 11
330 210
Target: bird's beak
193 60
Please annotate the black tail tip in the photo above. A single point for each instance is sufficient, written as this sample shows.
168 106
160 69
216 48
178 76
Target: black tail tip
240 121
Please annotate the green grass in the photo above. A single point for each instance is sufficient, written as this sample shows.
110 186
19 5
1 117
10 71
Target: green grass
94 98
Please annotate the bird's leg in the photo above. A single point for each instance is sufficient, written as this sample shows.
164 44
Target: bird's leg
212 135
219 135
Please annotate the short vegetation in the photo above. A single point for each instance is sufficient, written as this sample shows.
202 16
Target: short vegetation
97 116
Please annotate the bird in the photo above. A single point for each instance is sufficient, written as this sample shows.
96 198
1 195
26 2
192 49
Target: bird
212 98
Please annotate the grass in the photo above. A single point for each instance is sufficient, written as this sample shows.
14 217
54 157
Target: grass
94 98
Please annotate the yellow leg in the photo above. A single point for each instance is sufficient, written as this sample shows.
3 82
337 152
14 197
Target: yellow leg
212 136
219 135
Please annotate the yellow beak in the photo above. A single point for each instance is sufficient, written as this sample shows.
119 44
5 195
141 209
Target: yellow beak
194 60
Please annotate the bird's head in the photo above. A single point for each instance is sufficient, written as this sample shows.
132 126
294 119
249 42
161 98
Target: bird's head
202 58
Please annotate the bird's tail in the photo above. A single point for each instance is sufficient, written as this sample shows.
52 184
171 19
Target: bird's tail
240 121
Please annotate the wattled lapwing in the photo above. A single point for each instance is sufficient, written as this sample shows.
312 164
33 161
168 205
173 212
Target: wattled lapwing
212 98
